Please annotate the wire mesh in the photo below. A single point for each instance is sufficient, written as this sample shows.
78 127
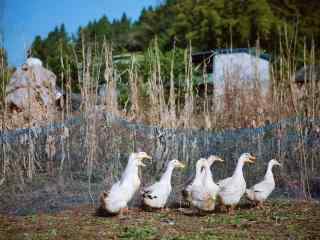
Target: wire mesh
67 164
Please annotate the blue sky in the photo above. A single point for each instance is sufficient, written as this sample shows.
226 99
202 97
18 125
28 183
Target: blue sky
24 19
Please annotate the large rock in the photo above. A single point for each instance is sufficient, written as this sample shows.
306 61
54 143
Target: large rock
33 62
32 84
31 95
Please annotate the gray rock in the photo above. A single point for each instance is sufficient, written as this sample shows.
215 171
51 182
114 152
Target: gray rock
32 83
31 61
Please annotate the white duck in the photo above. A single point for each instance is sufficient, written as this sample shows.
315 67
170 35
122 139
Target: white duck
156 195
234 188
208 182
197 181
261 191
204 197
200 196
116 200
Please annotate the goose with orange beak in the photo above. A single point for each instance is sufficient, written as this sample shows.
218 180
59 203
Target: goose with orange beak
261 191
116 200
234 188
204 197
208 182
156 195
197 182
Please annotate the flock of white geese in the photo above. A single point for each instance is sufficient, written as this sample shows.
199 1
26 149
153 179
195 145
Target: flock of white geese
202 193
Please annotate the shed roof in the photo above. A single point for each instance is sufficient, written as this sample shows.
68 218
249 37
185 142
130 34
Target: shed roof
251 51
211 53
207 56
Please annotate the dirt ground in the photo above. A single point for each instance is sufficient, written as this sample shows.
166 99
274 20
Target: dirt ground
278 220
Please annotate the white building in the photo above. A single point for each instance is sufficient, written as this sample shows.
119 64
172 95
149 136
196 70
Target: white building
243 67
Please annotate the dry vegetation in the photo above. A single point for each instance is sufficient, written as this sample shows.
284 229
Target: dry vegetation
154 103
180 104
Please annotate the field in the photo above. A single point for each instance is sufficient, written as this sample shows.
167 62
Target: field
278 220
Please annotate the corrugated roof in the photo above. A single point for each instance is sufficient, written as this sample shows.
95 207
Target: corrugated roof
251 51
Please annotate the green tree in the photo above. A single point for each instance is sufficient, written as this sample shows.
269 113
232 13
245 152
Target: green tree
261 18
54 50
121 34
208 24
37 48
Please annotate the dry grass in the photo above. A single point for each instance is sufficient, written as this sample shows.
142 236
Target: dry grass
172 107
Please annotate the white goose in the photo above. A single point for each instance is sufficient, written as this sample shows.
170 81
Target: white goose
200 195
234 188
261 191
116 200
197 181
156 195
209 185
207 175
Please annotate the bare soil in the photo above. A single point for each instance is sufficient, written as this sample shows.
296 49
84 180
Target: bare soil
278 220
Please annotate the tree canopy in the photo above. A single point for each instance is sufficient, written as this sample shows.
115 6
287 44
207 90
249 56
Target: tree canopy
206 24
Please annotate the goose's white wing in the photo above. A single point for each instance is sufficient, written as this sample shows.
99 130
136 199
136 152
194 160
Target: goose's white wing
230 189
232 192
156 195
223 182
262 186
116 198
260 191
151 191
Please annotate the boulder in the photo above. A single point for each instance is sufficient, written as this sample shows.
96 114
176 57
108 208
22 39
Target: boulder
32 84
33 62
31 95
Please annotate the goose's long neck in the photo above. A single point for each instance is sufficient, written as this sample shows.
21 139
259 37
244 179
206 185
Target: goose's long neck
269 174
198 172
166 177
207 171
131 170
238 170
